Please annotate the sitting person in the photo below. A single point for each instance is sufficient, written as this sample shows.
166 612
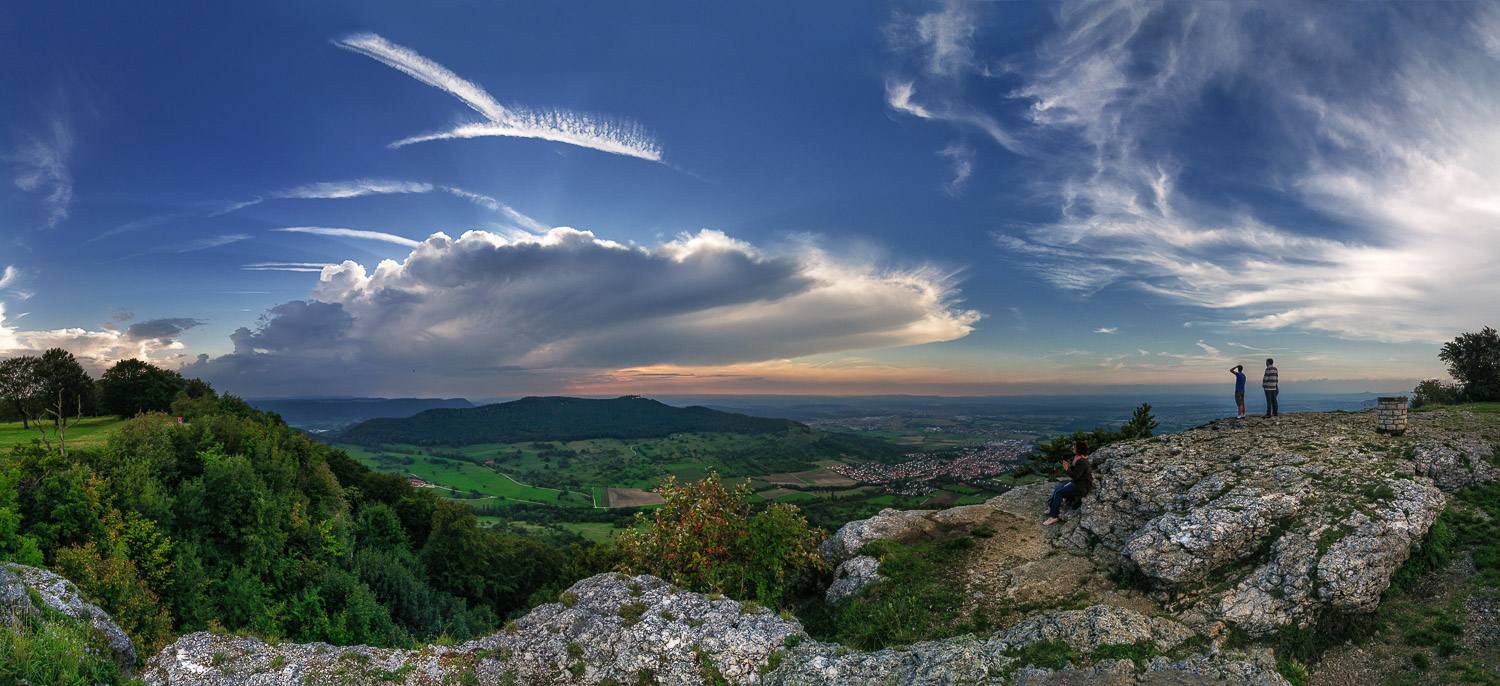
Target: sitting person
1082 484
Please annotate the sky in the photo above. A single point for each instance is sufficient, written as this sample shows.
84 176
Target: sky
490 200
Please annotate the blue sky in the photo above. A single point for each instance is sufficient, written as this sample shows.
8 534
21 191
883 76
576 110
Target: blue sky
495 199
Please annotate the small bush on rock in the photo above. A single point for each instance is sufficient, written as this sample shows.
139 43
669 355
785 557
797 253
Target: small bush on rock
705 539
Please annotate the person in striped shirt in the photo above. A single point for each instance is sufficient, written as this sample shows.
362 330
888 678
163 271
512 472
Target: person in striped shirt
1268 383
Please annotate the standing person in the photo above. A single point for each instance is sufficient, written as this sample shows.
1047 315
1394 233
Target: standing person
1239 388
1268 383
1081 485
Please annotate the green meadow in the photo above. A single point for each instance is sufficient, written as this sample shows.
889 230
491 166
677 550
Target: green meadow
89 432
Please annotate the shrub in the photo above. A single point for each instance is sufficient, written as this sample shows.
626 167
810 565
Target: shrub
705 539
1435 392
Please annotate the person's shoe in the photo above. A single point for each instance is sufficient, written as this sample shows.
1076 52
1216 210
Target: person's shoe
1051 520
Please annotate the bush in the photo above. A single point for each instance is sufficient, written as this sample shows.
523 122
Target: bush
1435 392
705 539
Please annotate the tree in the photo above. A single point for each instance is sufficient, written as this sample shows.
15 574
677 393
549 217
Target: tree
1474 360
21 385
132 387
63 380
704 539
1141 423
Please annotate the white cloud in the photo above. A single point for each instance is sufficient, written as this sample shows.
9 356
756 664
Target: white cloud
314 267
1111 329
10 277
351 233
472 309
41 161
353 189
618 137
97 350
962 157
1379 173
1208 348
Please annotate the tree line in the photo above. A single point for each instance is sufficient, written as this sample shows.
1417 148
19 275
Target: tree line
231 520
1473 360
53 386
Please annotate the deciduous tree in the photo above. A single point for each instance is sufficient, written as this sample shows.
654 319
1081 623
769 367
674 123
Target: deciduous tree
1474 360
132 387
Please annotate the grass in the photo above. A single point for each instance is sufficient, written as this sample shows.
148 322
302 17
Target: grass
89 432
55 649
916 602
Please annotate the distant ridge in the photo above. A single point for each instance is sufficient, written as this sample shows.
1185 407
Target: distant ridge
557 419
327 413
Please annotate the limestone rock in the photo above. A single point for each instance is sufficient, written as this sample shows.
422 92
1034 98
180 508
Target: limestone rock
888 525
1453 464
993 660
609 627
851 576
58 594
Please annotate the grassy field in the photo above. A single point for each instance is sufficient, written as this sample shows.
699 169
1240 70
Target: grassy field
90 432
467 478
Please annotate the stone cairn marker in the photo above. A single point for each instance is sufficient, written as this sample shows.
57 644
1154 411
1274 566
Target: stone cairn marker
1390 415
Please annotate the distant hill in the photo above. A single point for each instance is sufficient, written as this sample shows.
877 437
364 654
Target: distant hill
326 414
556 419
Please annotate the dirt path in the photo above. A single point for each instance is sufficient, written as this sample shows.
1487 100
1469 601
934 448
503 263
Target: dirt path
1020 571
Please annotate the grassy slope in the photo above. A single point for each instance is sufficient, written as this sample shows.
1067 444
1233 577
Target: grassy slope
90 432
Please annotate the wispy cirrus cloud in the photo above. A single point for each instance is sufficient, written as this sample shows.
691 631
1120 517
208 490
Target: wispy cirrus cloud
10 277
351 233
1360 202
1107 329
353 189
41 160
612 136
313 267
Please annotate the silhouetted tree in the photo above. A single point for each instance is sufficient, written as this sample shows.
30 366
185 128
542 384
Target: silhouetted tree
132 387
21 385
1474 360
64 382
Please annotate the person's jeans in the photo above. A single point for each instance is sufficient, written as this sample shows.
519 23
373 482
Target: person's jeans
1059 494
1271 410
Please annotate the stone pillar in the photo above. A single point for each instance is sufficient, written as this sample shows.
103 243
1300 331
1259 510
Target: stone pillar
1390 415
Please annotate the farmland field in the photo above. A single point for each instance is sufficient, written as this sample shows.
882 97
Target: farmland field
632 497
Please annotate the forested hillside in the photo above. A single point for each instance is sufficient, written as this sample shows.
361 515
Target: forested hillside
232 520
556 419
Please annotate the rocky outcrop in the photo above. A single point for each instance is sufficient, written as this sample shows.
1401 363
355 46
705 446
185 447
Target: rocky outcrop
27 591
608 629
888 525
853 571
1263 523
851 576
616 629
1004 658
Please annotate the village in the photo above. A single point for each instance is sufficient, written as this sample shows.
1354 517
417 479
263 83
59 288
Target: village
973 462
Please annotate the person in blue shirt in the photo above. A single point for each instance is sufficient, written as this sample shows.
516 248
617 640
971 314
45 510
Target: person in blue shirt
1239 388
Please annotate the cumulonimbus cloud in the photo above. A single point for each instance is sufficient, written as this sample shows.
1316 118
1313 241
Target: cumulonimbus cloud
618 137
467 309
